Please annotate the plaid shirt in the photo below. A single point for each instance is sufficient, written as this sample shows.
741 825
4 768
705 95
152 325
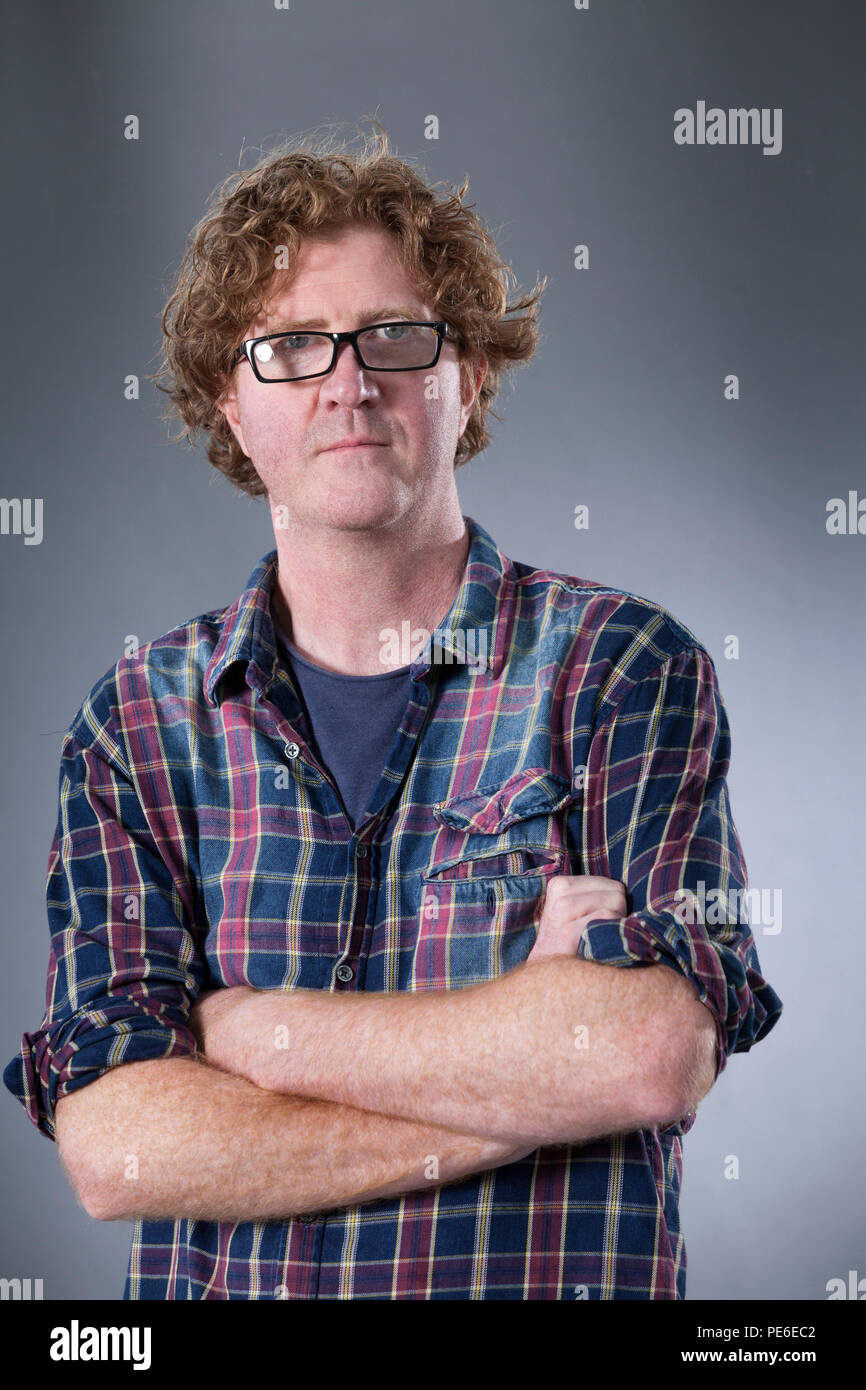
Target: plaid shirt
552 721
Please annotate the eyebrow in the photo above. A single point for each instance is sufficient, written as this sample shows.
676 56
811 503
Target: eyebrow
366 316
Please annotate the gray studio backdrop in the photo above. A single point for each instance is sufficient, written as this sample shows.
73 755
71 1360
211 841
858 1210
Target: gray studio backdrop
705 263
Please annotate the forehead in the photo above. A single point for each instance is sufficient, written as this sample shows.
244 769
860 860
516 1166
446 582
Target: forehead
339 276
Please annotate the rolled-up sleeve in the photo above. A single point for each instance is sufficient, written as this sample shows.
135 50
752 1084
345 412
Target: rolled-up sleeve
124 965
657 817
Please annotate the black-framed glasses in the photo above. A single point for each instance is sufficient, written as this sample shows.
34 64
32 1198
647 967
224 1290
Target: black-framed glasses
407 345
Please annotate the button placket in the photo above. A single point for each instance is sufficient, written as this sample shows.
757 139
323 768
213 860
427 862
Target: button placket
344 971
291 747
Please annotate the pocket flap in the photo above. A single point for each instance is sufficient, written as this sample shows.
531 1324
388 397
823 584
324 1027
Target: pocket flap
524 861
528 792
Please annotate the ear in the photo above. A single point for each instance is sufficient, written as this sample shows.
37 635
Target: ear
472 375
228 405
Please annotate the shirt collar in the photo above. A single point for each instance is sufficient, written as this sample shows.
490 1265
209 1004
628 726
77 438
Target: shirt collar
471 634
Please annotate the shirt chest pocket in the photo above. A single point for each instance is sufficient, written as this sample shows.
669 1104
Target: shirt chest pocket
483 890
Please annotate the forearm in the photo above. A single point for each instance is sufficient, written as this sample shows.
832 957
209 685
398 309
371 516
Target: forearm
554 1051
174 1138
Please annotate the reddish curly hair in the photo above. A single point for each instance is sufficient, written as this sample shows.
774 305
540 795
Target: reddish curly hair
314 186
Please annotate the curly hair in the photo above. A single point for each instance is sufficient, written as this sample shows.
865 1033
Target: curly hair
314 186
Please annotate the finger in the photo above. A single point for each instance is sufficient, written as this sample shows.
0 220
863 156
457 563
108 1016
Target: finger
598 881
578 890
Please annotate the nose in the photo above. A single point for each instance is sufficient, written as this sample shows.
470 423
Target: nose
348 382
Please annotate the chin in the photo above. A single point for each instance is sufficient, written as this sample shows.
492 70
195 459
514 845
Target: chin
353 510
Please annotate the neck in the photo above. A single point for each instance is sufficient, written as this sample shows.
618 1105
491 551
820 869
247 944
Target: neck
336 590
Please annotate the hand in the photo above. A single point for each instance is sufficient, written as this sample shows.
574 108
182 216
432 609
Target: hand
569 903
499 1153
210 1011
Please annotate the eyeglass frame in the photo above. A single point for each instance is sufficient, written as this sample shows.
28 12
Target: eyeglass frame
245 351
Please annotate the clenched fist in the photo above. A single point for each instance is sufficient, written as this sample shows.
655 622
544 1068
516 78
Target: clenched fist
569 903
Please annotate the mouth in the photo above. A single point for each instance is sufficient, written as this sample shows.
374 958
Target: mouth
362 444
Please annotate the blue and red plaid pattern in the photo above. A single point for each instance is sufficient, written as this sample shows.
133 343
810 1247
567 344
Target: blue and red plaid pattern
200 843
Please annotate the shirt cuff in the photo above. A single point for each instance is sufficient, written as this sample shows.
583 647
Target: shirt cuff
68 1054
723 969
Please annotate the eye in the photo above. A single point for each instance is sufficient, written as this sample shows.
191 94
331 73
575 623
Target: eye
394 332
295 341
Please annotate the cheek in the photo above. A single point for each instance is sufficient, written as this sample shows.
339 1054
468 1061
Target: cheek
448 385
437 406
267 426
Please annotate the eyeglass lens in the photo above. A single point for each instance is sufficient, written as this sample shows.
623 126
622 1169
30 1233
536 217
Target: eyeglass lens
391 345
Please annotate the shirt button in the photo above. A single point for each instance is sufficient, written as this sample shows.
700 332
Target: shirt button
307 1220
345 972
362 851
292 750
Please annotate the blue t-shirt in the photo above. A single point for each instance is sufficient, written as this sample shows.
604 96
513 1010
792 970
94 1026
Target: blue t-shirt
354 720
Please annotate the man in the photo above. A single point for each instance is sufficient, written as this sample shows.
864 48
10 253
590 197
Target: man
332 1011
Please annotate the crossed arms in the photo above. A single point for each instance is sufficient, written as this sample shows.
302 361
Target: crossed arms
310 1101
362 1096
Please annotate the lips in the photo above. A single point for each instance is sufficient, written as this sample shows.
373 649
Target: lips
355 444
